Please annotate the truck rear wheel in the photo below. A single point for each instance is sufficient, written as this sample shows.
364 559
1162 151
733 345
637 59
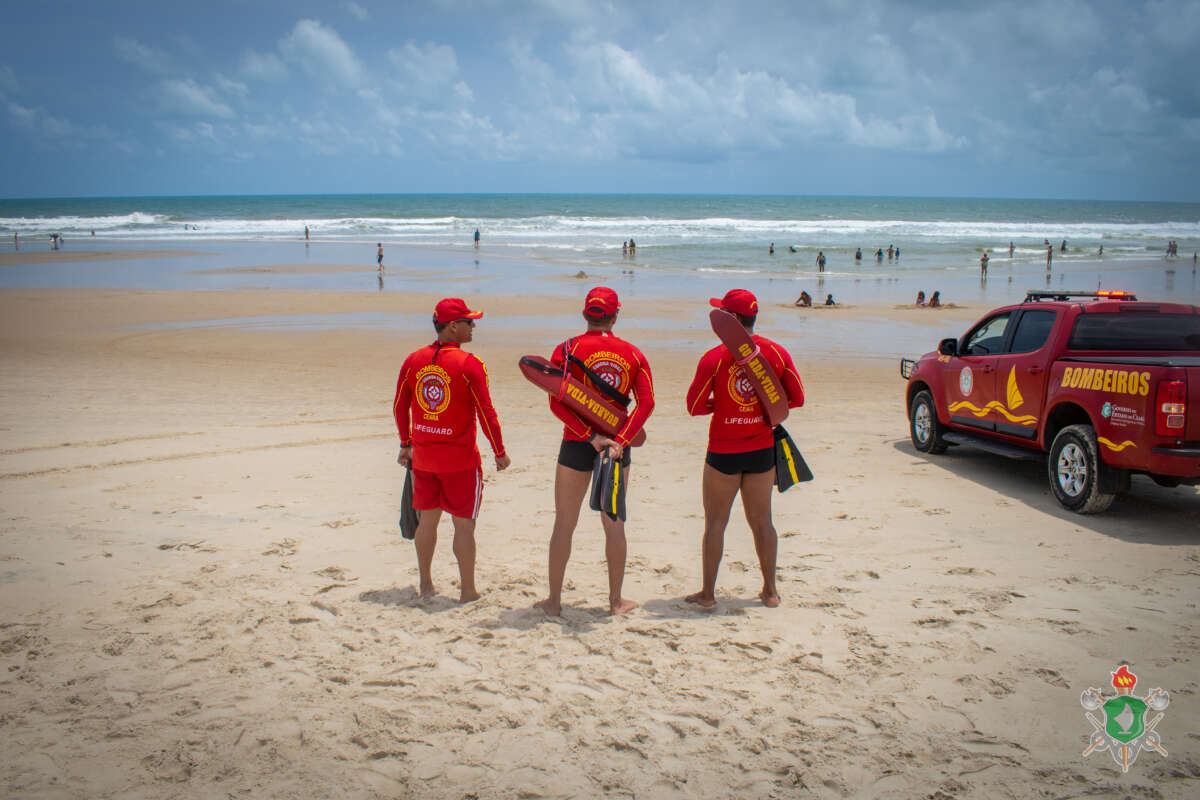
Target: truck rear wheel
923 425
1074 466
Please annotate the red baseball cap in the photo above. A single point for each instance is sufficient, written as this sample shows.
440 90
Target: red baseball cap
453 308
601 302
739 301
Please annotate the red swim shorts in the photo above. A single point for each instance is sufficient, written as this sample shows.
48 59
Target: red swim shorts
456 493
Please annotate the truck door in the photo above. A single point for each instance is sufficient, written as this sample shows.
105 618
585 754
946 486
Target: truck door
969 378
1021 372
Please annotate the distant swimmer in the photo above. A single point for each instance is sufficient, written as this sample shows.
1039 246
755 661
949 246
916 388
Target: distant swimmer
792 247
804 300
306 233
625 248
820 261
1010 249
983 262
891 251
897 253
858 254
379 256
771 249
921 297
477 238
1049 256
1064 246
632 247
879 254
936 300
1100 252
829 300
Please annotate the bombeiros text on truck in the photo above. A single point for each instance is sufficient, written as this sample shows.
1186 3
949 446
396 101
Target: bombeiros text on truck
1100 385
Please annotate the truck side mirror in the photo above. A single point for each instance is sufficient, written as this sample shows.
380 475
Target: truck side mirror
948 347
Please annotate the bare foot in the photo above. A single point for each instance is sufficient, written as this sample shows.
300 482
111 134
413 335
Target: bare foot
622 606
550 608
467 597
699 599
769 600
428 591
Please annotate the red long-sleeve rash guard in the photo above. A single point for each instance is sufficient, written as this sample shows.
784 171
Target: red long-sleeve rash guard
624 368
722 389
443 389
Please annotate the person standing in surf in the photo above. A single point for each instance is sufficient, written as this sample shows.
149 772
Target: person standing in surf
741 448
595 357
437 438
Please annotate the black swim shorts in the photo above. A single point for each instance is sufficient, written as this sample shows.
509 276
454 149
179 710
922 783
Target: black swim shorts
754 461
582 456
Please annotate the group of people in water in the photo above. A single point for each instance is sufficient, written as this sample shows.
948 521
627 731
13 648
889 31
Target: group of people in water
442 390
893 253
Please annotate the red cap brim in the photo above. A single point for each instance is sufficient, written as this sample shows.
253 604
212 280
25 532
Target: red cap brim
715 302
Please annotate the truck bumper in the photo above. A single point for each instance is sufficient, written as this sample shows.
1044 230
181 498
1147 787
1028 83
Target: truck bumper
1183 462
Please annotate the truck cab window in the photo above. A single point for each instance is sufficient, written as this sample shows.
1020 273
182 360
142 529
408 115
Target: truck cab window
1033 328
988 338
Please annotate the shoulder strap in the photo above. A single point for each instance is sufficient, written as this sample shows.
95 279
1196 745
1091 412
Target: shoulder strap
604 386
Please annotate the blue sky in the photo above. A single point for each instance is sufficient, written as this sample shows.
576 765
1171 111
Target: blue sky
1060 98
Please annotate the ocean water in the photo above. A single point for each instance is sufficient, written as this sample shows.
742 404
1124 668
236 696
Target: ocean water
683 241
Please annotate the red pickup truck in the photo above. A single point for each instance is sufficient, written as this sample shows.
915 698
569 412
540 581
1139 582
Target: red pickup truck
1100 385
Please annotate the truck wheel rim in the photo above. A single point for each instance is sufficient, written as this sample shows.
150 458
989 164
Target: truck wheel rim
1072 469
921 423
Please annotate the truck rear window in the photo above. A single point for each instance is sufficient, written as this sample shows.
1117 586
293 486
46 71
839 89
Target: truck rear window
1136 331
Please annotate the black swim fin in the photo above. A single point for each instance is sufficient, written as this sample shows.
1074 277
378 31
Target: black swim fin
790 467
409 516
608 487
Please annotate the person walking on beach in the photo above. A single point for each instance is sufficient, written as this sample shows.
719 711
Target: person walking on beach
858 254
879 254
1010 249
983 262
379 256
306 233
771 249
632 247
477 238
1063 249
820 261
891 250
741 448
1049 256
595 357
437 439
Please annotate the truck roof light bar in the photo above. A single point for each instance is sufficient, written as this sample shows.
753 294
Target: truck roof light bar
1040 295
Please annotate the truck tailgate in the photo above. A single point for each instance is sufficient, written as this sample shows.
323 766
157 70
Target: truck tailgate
1192 431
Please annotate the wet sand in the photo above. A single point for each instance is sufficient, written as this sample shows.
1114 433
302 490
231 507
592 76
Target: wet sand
204 591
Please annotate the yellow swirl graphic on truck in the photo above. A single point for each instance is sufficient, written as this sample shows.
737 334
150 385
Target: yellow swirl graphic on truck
996 406
1116 448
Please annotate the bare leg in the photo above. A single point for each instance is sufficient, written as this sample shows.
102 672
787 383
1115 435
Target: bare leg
756 501
719 490
425 540
570 485
464 551
614 554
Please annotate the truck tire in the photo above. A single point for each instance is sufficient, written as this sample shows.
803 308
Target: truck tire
1074 466
923 424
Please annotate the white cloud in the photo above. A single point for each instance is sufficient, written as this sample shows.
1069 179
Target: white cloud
263 66
322 53
356 11
429 72
230 86
148 58
187 97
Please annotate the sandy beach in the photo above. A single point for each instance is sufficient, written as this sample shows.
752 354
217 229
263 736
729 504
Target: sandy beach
204 591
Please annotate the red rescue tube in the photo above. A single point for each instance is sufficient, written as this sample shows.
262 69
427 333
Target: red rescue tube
592 407
761 375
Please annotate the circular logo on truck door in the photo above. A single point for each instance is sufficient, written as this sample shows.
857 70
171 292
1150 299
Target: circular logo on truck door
966 381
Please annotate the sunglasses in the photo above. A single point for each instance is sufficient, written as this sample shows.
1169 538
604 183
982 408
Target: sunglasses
470 322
